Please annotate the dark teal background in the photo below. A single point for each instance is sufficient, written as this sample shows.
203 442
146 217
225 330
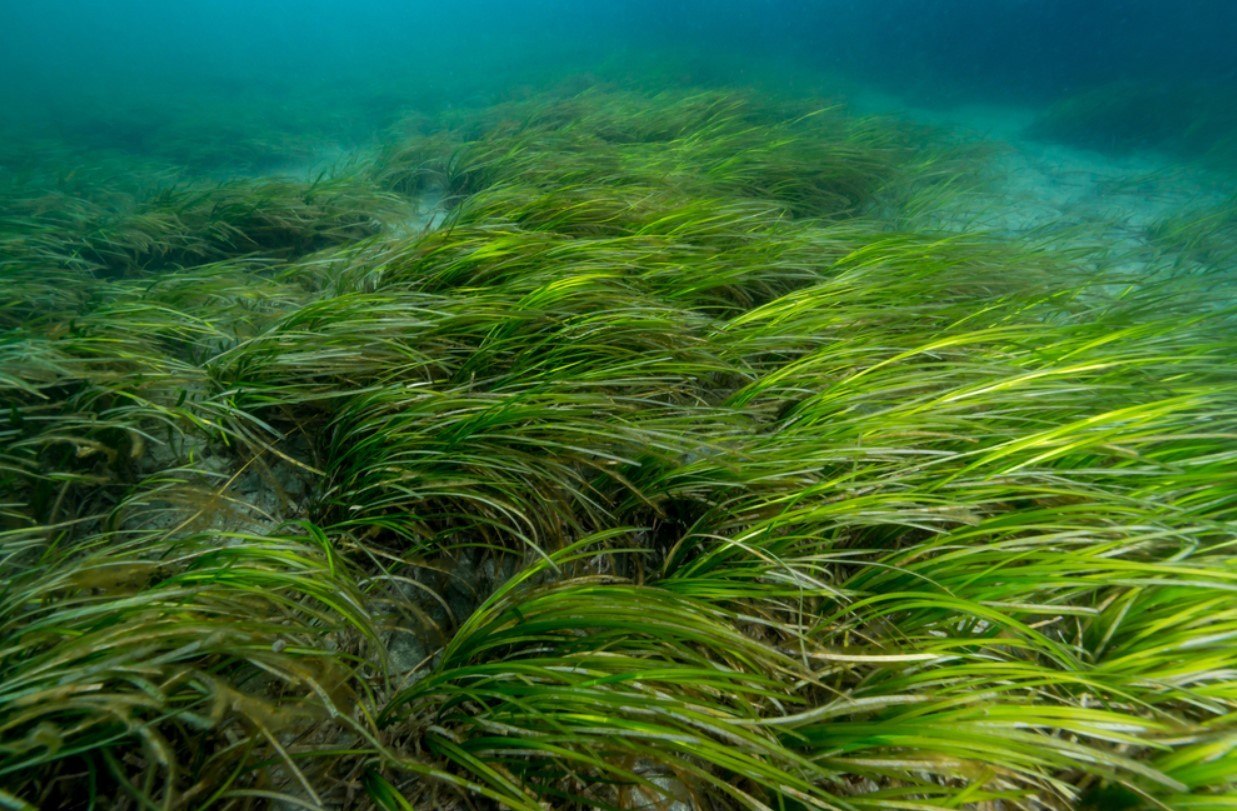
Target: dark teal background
56 53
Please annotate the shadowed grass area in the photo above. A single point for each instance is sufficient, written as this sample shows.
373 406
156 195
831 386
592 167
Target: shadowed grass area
1194 120
178 228
671 470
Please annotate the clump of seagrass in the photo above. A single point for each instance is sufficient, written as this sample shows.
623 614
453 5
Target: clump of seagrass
184 227
668 470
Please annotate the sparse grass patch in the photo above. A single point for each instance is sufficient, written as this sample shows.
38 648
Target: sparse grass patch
1205 238
1196 121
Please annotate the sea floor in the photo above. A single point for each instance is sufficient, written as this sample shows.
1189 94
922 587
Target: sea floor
1059 194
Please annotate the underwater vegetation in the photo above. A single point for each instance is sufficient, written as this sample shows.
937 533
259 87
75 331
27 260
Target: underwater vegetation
674 469
1204 238
1192 120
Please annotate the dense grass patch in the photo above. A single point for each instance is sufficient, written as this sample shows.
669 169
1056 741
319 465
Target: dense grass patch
670 470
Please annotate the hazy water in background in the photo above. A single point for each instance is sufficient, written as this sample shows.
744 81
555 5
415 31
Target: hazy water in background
135 74
55 50
1021 46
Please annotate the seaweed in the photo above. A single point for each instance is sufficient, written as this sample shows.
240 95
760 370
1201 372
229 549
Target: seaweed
671 468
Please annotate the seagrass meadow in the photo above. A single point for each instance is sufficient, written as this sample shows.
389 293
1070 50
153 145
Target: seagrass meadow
611 448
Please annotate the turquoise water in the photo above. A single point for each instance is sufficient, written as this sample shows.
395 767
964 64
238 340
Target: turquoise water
87 69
